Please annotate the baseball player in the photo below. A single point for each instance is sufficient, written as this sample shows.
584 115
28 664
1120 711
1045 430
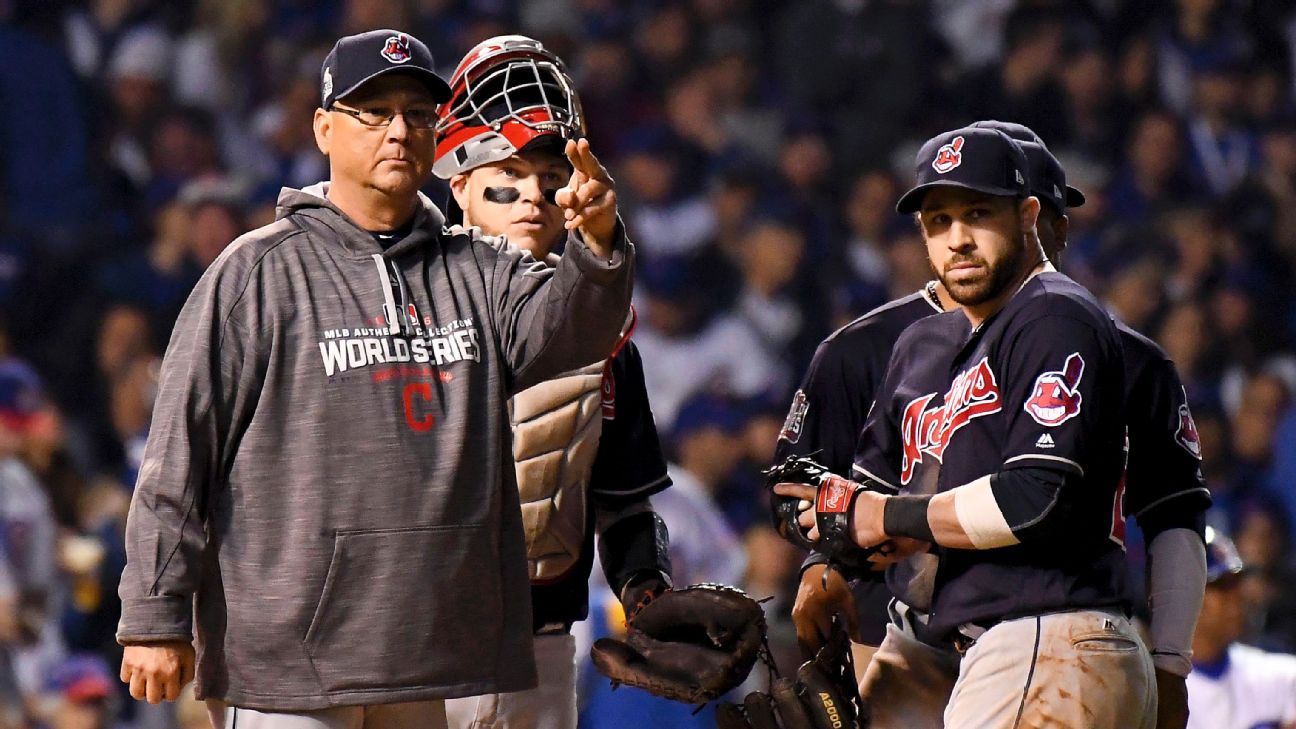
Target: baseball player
1029 430
1165 493
586 449
326 500
1234 686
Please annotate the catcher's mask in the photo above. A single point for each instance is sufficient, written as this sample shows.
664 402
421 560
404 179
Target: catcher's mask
507 93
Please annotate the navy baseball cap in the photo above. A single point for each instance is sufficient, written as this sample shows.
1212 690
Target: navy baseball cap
358 59
974 158
1222 558
1047 178
22 396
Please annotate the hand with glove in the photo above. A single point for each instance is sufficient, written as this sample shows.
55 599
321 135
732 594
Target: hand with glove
690 645
825 496
823 696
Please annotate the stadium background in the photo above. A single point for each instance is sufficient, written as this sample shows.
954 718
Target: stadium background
758 148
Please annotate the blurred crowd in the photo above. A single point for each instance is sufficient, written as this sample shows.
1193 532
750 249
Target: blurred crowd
758 146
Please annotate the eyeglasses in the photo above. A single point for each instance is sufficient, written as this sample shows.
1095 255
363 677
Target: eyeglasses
378 118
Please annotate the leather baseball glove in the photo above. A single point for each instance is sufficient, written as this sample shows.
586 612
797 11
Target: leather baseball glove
823 696
692 645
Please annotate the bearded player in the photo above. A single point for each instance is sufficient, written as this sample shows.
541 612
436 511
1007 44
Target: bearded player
1028 428
510 143
910 680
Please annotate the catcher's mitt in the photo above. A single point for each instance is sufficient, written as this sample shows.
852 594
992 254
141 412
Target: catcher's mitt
690 645
823 696
832 506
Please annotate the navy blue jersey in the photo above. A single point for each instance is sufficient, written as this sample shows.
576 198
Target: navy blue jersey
899 447
1040 386
1164 468
829 409
628 466
828 413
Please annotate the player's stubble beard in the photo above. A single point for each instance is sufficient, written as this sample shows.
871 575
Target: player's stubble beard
998 276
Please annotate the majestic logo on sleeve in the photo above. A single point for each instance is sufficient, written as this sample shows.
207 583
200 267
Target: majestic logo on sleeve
928 430
1055 399
397 49
1186 433
795 418
949 156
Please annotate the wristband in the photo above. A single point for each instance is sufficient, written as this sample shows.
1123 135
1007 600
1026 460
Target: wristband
906 516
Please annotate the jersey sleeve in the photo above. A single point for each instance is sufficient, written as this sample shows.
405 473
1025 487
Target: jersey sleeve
1164 468
828 410
1061 393
879 449
629 465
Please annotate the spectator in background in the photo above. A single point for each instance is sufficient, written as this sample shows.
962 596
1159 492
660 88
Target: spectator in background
216 217
159 276
1089 86
1153 176
707 448
1253 422
81 696
183 148
1022 87
1234 686
286 154
1223 151
1197 34
1263 538
27 528
663 38
869 218
138 75
771 257
95 33
690 348
666 217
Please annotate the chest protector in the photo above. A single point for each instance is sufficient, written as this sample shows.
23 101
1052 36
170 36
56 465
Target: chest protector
556 429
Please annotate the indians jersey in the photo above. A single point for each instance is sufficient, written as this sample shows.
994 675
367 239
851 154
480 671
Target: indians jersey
1247 689
1039 386
829 409
900 448
1164 453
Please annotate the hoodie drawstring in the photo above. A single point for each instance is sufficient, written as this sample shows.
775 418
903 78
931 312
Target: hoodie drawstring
393 284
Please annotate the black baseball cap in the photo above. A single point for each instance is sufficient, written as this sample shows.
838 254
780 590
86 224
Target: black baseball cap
358 59
974 158
1047 178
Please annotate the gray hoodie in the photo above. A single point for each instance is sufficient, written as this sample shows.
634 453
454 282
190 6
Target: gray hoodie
328 483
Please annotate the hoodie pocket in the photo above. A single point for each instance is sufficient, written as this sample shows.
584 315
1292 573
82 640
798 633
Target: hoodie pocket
413 607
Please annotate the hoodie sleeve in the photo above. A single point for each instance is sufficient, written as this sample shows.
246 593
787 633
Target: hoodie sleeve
551 320
198 390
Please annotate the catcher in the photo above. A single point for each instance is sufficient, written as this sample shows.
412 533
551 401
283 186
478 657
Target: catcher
510 143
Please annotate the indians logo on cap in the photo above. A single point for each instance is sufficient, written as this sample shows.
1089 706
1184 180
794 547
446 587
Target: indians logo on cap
397 49
1055 399
949 156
